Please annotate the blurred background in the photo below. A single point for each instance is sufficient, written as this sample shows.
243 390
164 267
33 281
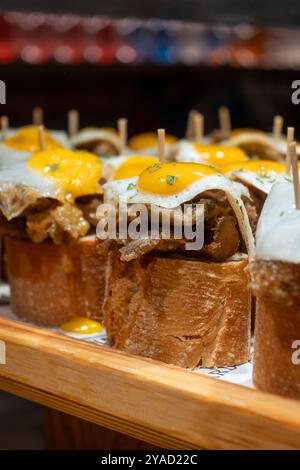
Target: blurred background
150 61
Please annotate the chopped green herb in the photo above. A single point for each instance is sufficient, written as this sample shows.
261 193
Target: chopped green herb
171 179
154 167
131 186
281 213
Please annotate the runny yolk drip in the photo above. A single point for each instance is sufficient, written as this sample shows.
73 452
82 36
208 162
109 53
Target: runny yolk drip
260 167
219 156
82 326
134 166
75 173
148 140
27 140
172 178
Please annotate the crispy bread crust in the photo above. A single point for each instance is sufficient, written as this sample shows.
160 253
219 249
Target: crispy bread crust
179 311
52 283
276 286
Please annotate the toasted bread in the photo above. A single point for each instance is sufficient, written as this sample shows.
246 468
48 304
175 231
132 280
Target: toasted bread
276 285
180 311
52 283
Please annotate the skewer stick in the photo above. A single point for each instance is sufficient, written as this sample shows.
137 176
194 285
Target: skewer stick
295 172
277 127
190 125
161 133
225 120
41 138
198 121
4 123
37 116
289 138
122 130
73 122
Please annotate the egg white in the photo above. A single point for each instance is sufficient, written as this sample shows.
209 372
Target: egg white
184 151
261 182
278 229
20 176
10 156
264 139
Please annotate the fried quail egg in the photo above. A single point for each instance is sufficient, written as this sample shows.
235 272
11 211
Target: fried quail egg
58 174
169 185
215 155
23 143
260 174
147 142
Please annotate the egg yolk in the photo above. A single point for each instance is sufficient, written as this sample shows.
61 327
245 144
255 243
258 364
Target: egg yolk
166 179
76 173
133 166
219 156
27 140
261 167
82 326
148 140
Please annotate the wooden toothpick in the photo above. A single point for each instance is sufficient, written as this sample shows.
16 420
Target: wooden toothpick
198 121
4 123
225 120
277 127
37 116
190 125
289 138
73 122
161 133
122 130
295 172
41 138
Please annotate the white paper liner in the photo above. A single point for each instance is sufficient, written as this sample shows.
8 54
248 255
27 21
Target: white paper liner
240 375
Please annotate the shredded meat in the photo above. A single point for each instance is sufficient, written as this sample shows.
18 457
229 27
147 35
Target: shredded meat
221 234
89 205
222 241
20 200
225 240
136 248
59 223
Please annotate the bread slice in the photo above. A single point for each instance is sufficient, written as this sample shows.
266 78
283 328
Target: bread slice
184 312
276 286
52 283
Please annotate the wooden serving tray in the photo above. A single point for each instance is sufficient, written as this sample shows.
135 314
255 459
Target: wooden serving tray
163 405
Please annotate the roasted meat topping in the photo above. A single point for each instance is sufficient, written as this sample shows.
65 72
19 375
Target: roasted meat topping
64 221
89 205
16 201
